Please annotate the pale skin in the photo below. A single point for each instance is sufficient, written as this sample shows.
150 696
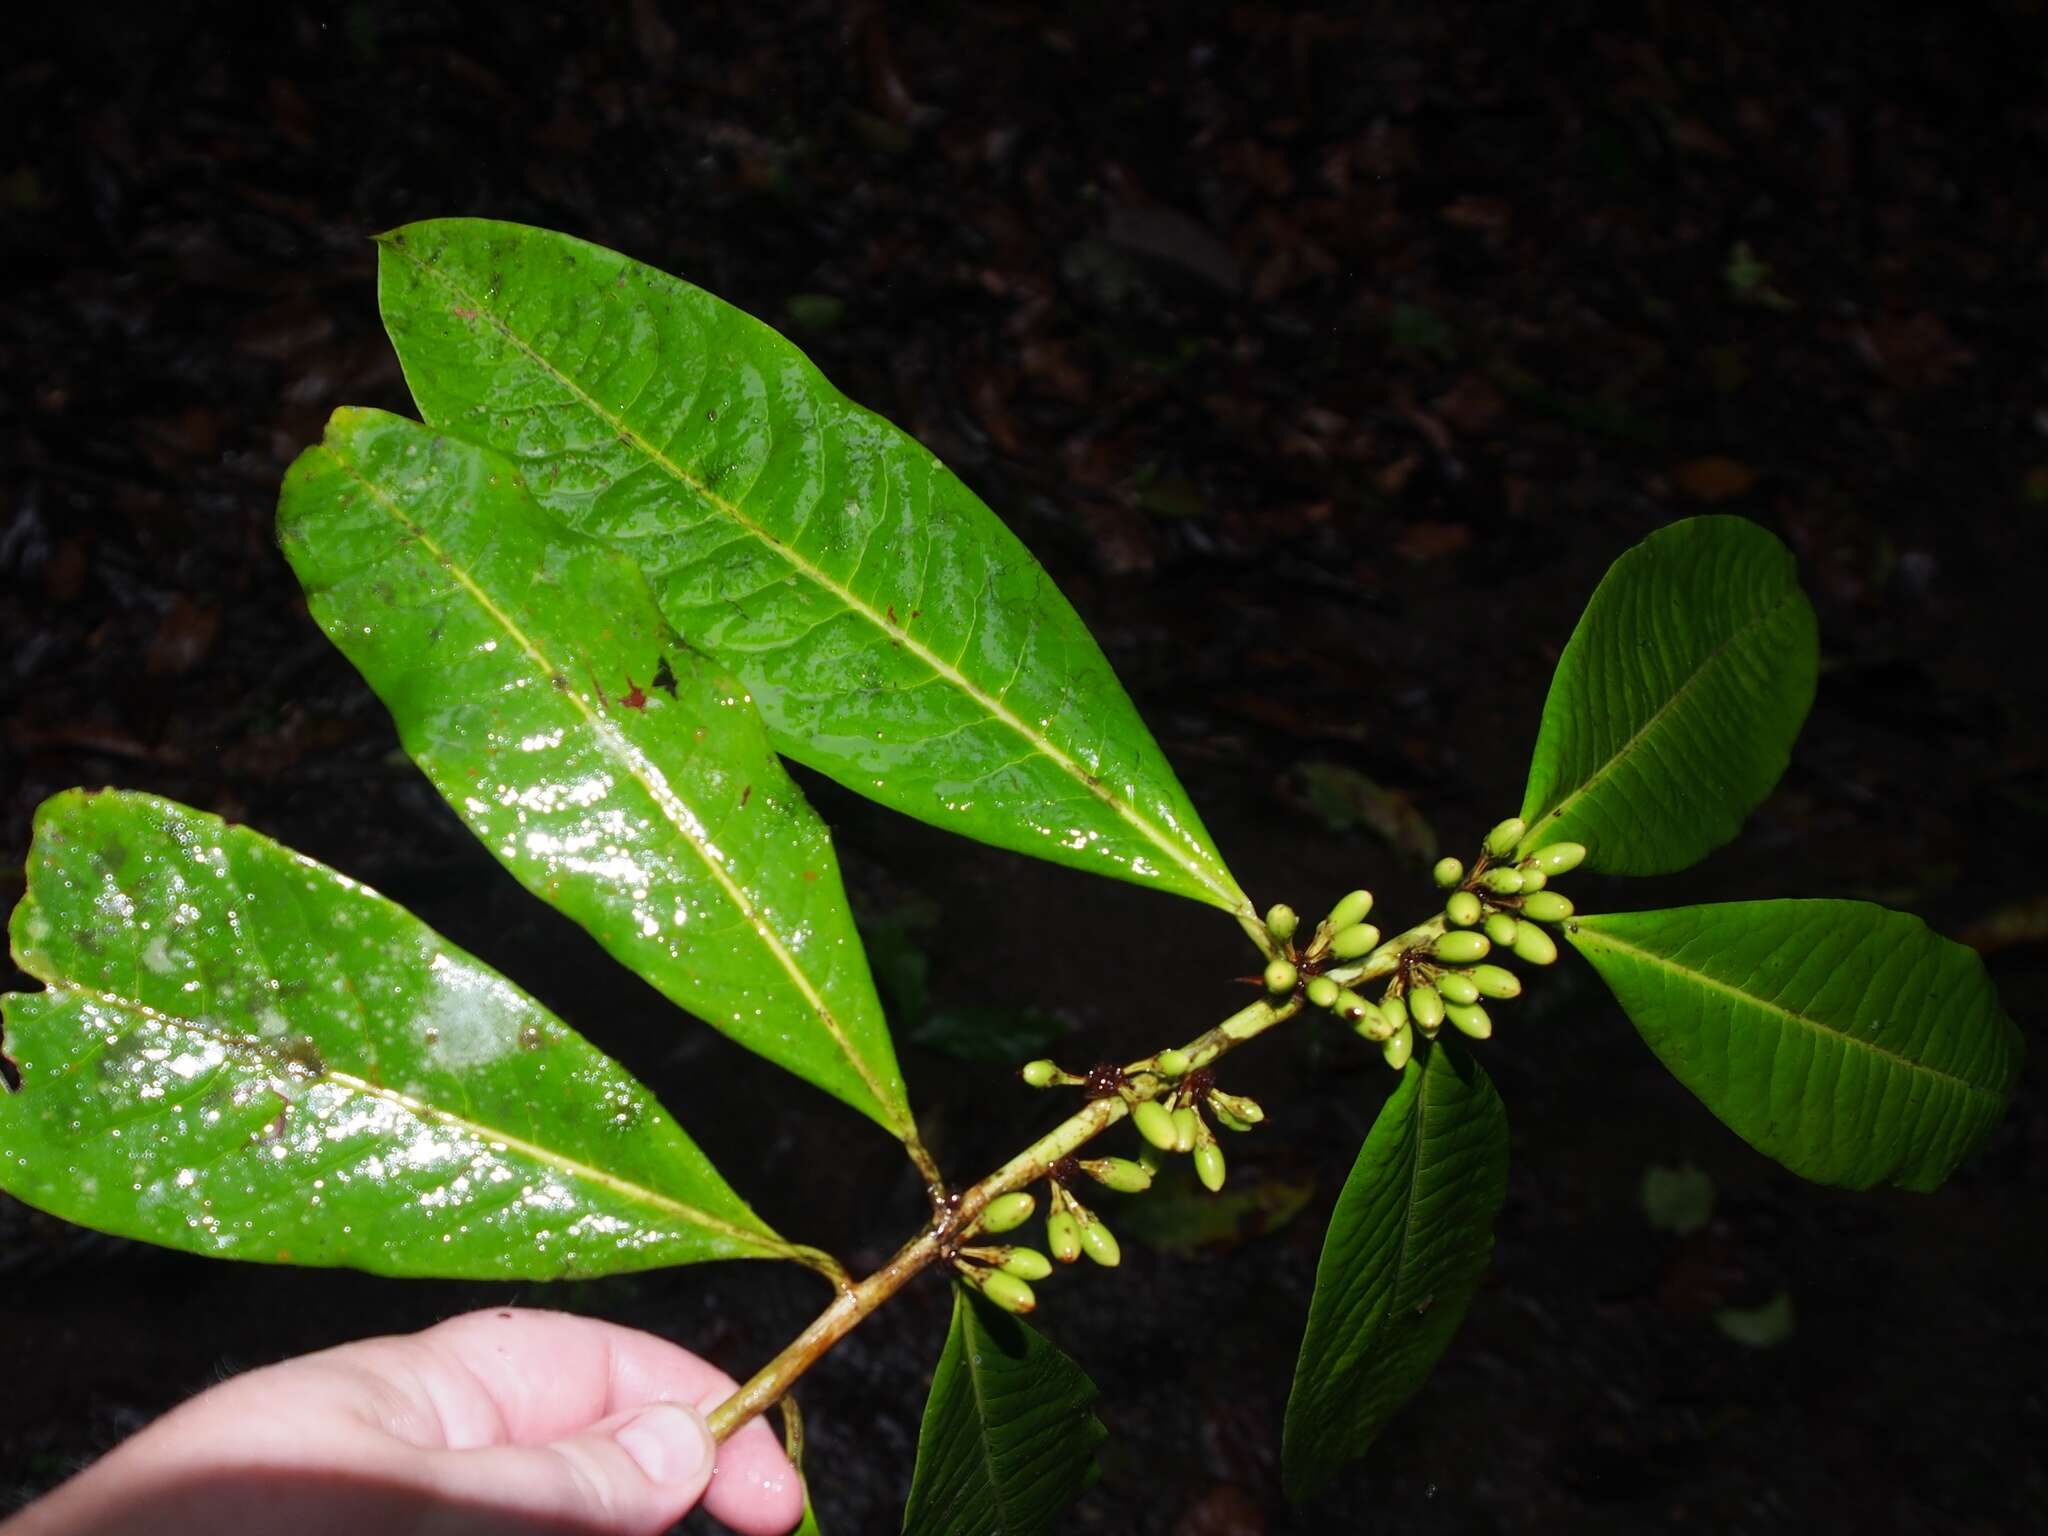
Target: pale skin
503 1421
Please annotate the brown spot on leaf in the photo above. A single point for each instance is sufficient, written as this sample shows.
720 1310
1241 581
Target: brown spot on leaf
633 698
811 875
746 794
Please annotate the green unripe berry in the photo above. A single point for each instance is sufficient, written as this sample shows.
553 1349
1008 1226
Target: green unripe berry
1322 991
1559 858
1463 909
1063 1236
1235 1110
1471 1019
1448 872
1187 1129
1494 982
1500 842
1352 909
1209 1166
1533 879
1500 928
1155 1123
1457 987
1395 1009
1399 1047
1547 906
1172 1063
1350 1006
1025 1263
1502 880
1374 1025
1119 1174
1281 921
1041 1073
1099 1243
1280 977
1358 939
1461 948
1006 1212
1007 1291
1151 1159
1535 946
1426 1008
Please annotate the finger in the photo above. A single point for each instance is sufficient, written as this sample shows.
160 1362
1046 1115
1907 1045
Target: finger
636 1472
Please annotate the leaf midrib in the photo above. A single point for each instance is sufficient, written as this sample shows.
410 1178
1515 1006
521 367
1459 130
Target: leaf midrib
1556 814
252 1049
1608 937
636 764
1228 898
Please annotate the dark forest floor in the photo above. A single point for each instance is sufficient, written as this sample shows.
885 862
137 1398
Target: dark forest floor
1326 359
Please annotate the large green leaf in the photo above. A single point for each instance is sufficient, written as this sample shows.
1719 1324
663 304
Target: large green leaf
1850 1043
1675 704
1407 1246
895 635
616 772
246 1054
1008 1438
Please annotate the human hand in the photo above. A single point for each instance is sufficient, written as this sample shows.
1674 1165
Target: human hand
505 1421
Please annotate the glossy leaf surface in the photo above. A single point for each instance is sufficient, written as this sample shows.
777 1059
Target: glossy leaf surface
896 636
243 1053
1852 1044
1008 1439
1674 706
1408 1244
621 776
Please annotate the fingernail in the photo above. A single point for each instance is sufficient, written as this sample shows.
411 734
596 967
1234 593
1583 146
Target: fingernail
667 1441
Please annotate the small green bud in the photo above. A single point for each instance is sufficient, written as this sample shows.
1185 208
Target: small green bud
1352 909
1448 872
1007 1212
1063 1236
1399 1047
1099 1243
1234 1111
1502 880
1494 982
1281 921
1500 842
1374 1025
1280 977
1533 879
1471 1019
1006 1291
1172 1062
1358 939
1350 1006
1041 1073
1426 1008
1547 906
1119 1174
1322 991
1461 948
1500 928
1209 1166
1559 858
1535 946
1155 1123
1151 1159
1395 1009
1025 1264
1187 1129
1457 987
1463 909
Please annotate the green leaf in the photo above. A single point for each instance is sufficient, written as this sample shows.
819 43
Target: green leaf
895 635
1850 1043
992 1035
1675 704
1008 1437
1180 1218
245 1054
1408 1243
618 774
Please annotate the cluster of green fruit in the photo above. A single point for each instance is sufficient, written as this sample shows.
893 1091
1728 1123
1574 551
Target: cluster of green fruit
1501 902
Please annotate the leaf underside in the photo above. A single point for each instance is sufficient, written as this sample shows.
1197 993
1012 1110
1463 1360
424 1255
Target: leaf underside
617 773
1008 1437
1408 1243
1851 1043
245 1054
1675 704
895 635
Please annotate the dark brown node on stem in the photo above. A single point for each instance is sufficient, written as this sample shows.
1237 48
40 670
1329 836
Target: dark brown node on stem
1104 1079
1065 1171
1197 1085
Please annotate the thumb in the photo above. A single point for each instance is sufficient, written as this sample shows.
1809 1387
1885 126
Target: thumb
634 1474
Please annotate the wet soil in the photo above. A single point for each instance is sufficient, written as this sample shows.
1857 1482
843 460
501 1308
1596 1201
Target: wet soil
1326 358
